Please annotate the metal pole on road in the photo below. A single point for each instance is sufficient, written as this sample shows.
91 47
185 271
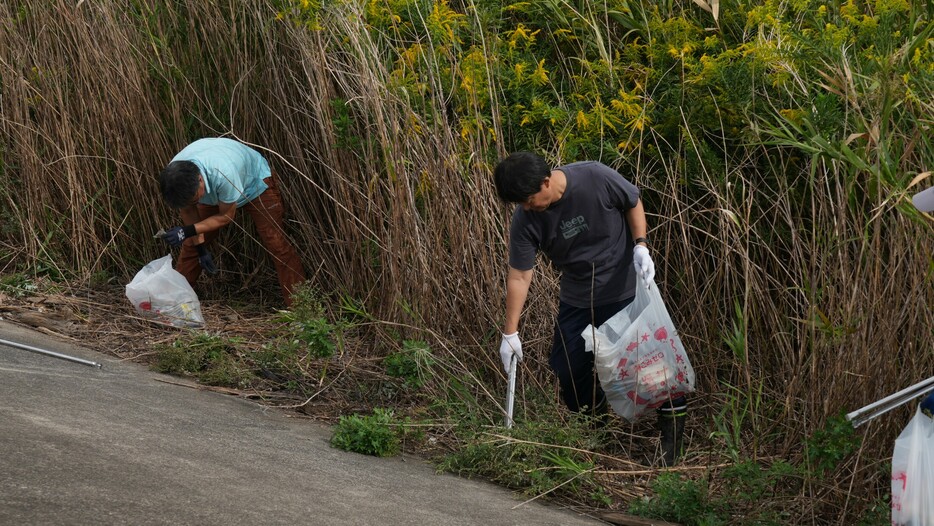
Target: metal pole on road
49 353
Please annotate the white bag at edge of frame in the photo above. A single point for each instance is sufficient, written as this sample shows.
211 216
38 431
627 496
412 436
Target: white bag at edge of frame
913 473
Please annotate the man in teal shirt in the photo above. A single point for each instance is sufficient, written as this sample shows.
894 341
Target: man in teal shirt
207 182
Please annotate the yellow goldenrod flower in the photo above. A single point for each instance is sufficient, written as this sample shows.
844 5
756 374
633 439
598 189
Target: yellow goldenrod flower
639 123
583 121
519 70
540 76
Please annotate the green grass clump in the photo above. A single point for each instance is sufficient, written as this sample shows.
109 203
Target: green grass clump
209 358
681 500
306 327
537 457
18 285
378 434
411 364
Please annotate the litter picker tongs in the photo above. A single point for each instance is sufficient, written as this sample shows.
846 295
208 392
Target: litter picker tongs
876 409
511 390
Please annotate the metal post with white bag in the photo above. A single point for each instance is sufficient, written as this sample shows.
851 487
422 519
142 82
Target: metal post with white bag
913 456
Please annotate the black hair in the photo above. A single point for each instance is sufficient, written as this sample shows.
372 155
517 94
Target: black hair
179 183
519 176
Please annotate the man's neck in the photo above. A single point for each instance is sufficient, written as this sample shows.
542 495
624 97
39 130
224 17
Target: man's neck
559 183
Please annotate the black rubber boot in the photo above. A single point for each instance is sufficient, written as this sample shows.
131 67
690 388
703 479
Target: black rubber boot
671 422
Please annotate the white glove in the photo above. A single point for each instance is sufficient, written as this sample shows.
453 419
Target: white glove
509 346
645 267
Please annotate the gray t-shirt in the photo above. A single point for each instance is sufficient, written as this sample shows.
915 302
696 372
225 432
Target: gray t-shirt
584 234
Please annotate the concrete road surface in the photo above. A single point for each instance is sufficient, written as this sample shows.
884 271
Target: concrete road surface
82 445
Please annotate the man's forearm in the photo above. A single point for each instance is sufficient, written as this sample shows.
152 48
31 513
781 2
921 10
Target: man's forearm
635 218
190 216
517 289
212 223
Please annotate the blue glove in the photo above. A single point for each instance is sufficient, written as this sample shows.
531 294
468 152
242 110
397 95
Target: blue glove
206 260
927 405
175 235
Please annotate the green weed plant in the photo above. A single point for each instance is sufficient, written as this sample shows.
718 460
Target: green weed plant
306 328
378 434
679 499
745 494
750 491
537 457
18 285
211 359
831 445
412 364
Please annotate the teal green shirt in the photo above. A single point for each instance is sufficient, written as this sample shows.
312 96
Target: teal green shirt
232 172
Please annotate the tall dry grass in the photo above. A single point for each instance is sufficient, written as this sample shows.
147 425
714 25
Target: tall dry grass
826 294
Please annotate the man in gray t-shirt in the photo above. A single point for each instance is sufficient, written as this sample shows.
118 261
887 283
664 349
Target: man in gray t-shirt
585 234
589 221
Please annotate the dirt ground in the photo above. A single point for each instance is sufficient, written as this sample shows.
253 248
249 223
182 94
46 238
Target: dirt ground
102 319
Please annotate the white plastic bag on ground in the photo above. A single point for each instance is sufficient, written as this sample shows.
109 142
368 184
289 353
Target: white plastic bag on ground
913 473
161 294
639 357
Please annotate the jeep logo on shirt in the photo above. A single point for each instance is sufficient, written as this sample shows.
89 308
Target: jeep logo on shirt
572 227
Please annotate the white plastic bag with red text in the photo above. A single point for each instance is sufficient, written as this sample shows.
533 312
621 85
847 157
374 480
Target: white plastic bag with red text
159 293
639 357
913 473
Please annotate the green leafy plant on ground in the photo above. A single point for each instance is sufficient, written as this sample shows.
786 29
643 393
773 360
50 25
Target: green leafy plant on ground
412 363
832 444
378 434
306 327
879 513
745 491
295 358
18 285
678 499
749 488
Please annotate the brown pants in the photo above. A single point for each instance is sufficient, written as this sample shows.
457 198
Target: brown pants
267 213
